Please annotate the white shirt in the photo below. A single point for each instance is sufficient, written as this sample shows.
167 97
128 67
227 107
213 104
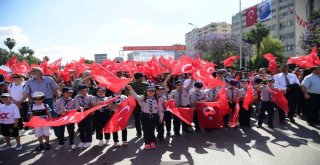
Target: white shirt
312 83
280 80
8 113
16 91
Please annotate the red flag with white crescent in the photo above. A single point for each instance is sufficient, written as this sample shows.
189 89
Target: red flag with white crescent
121 116
72 116
185 114
209 115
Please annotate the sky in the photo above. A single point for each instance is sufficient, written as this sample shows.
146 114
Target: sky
81 28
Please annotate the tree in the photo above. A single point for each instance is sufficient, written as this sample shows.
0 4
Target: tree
256 35
269 45
312 38
88 61
47 58
25 51
218 46
4 54
33 60
10 43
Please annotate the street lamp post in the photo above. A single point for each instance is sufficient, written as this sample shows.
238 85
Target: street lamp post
240 23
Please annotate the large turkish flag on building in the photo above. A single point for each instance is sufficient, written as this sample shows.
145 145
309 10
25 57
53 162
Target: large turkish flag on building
251 16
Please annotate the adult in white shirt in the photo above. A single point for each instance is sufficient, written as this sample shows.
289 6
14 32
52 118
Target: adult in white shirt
16 91
288 83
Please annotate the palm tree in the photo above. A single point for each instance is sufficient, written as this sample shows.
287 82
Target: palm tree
10 43
256 35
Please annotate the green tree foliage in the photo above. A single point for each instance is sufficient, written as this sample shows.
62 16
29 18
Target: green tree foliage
312 38
88 61
269 45
10 43
4 56
256 35
25 51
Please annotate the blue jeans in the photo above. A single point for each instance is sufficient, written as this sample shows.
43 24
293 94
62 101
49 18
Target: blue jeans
53 114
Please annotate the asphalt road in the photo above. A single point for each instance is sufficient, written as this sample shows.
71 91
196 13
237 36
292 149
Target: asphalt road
292 144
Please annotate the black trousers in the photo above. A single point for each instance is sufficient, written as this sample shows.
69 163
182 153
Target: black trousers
244 115
124 134
24 115
149 123
313 106
196 120
85 129
137 118
70 129
167 122
269 107
100 120
232 107
292 104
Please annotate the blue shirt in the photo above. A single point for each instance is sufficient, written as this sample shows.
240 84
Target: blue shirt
47 85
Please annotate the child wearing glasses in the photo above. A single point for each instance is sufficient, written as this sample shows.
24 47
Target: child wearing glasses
38 108
9 116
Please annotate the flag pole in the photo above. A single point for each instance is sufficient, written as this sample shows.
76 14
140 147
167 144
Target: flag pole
240 23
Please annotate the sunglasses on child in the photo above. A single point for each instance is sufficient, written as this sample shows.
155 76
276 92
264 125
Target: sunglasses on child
37 99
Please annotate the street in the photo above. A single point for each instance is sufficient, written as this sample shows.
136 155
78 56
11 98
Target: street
286 144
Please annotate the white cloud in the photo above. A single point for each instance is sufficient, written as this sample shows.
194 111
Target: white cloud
14 32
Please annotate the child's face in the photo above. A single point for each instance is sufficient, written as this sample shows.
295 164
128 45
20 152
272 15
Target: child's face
67 94
179 86
269 83
101 93
197 89
6 100
151 92
245 83
84 92
37 100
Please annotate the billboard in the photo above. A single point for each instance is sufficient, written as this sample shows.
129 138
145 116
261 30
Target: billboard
265 10
175 47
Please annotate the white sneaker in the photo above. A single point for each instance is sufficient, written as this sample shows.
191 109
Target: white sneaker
6 147
116 144
87 144
106 142
100 143
81 145
59 147
73 147
18 147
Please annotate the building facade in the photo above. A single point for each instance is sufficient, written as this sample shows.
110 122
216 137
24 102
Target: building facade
192 36
98 58
283 23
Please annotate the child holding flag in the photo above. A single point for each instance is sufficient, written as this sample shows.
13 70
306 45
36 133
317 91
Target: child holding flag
38 108
151 114
62 105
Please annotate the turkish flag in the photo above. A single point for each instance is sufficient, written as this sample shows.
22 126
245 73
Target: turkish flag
183 65
223 100
230 60
207 79
21 68
4 73
185 114
205 65
307 61
209 115
107 79
12 62
169 63
279 99
233 120
248 99
56 65
121 116
251 16
273 66
44 66
72 116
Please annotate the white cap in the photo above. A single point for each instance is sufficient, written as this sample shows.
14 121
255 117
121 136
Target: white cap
37 94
